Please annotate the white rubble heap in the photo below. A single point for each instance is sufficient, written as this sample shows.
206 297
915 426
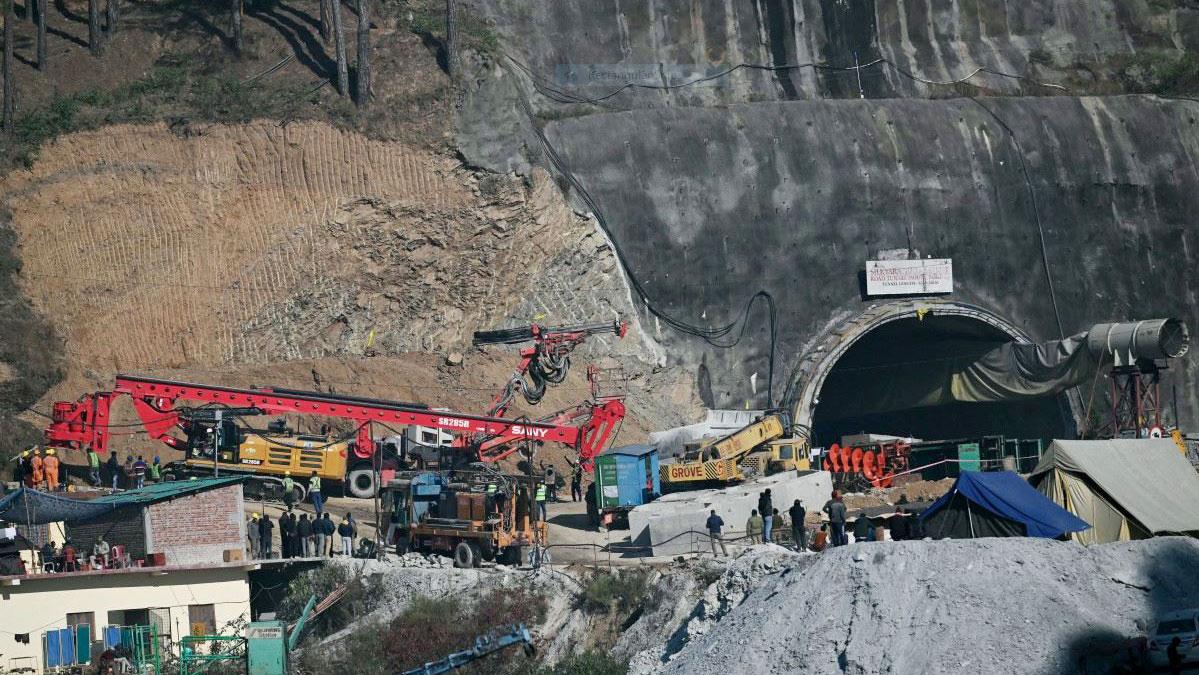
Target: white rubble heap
987 606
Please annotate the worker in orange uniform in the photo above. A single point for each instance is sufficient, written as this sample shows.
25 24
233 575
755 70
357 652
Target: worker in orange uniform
51 465
38 475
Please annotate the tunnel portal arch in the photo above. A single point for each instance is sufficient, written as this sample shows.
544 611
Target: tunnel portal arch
830 347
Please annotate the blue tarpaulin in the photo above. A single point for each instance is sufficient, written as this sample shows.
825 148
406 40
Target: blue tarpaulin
1007 496
38 508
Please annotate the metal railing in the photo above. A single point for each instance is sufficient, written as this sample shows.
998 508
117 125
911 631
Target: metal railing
212 654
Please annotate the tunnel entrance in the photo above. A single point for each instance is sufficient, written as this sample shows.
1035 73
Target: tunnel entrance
875 386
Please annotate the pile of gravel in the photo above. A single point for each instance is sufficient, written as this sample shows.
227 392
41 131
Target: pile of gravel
989 605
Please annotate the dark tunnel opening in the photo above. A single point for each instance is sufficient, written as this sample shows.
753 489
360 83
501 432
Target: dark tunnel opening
875 386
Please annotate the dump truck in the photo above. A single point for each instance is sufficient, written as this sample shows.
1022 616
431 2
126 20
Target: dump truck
473 515
759 448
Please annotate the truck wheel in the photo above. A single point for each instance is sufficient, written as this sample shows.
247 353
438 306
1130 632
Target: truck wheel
464 556
477 553
362 483
488 551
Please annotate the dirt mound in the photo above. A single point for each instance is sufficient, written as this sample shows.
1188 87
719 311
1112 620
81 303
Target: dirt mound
988 605
256 254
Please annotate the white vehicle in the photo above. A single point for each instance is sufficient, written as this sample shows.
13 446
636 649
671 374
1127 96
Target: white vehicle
1183 625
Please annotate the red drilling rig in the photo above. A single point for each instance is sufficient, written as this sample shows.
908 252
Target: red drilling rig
214 438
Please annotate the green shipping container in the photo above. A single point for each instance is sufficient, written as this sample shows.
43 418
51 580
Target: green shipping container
968 457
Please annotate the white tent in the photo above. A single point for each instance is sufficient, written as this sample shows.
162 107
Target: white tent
1126 489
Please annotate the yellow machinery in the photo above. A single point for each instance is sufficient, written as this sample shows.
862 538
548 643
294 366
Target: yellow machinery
733 458
270 457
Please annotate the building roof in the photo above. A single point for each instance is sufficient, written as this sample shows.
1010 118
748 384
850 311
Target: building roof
98 576
36 507
630 450
1148 479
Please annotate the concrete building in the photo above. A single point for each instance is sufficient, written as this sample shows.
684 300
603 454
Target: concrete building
182 571
176 600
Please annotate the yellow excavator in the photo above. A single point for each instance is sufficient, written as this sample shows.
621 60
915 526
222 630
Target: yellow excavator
757 449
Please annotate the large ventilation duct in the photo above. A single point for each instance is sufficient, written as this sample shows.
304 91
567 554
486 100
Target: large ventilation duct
1126 343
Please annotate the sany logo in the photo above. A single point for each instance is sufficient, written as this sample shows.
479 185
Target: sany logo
451 422
529 432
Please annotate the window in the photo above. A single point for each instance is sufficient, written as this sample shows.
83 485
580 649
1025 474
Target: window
83 619
202 619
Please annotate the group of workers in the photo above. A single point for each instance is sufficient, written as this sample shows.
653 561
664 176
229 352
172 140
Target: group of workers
71 559
302 536
37 470
766 524
43 470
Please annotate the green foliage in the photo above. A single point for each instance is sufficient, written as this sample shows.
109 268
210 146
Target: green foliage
361 597
167 91
428 18
588 663
431 628
1176 76
609 591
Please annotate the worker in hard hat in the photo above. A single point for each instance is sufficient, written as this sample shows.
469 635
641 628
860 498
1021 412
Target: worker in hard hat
51 465
289 489
38 475
253 535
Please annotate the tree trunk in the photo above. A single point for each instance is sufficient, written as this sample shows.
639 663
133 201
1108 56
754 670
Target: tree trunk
339 42
326 18
10 93
237 39
451 37
41 34
111 11
93 26
364 53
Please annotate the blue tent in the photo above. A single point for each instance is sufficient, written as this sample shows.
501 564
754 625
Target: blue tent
996 504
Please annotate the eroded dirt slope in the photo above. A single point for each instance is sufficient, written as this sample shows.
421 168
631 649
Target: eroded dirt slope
265 254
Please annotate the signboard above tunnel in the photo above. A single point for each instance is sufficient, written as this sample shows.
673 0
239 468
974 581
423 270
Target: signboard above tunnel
930 276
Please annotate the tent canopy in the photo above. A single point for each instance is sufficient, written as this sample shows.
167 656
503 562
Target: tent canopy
1009 502
38 508
1148 480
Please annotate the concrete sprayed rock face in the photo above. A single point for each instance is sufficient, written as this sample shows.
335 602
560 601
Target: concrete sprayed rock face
788 180
794 197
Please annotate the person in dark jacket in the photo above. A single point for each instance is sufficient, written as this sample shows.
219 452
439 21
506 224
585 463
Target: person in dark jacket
304 531
899 525
714 524
1174 657
284 544
346 532
114 469
837 516
287 530
265 533
861 528
326 528
798 532
766 508
592 506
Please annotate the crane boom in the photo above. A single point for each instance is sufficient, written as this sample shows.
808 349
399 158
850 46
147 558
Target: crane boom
86 423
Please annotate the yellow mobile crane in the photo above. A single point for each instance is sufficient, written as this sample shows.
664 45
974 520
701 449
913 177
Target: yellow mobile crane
759 448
